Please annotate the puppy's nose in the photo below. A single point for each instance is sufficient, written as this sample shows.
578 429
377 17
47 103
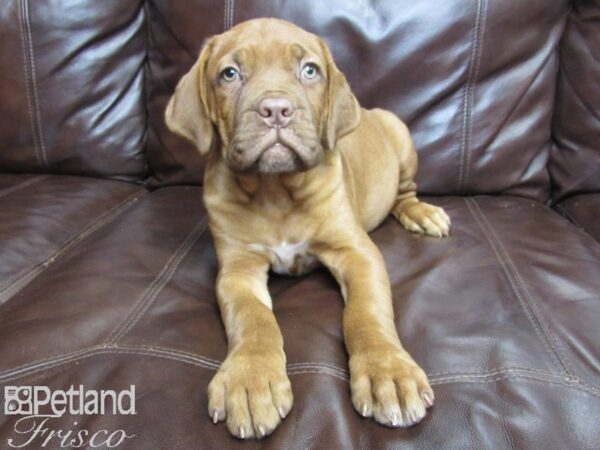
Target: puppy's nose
276 112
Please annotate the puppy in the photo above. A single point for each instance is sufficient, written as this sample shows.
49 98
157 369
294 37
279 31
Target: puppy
297 175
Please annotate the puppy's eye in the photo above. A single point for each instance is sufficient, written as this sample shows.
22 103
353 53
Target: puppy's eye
229 74
309 71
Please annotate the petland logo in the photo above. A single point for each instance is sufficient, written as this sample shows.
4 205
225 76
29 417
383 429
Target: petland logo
39 405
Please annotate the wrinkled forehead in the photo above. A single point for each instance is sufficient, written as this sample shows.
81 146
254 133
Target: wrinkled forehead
265 43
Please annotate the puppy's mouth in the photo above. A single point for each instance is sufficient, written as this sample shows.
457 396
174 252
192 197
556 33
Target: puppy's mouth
276 151
278 158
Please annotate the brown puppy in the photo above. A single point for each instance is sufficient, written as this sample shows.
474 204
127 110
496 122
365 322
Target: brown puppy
298 173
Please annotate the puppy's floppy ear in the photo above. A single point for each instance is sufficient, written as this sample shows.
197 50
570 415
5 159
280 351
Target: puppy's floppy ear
187 112
342 108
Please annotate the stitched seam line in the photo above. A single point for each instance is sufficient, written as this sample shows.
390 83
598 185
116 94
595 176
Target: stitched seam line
508 269
28 88
545 326
226 15
216 362
12 286
468 92
208 360
502 372
182 354
319 371
22 185
301 365
98 350
143 303
200 362
34 90
485 379
502 256
295 367
497 371
479 44
145 83
54 361
51 259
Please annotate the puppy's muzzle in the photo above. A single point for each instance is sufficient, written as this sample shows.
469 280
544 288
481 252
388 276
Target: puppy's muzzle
277 145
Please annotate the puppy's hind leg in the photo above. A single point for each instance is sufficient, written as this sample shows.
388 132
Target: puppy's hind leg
414 215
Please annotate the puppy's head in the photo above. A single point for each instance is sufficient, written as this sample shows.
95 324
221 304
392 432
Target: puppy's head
269 93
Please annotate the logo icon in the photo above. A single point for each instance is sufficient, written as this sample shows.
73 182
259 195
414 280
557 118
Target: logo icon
18 400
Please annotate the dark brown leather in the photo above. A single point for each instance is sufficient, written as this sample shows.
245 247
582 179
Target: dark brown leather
584 211
176 32
503 327
71 87
105 284
438 66
575 162
42 217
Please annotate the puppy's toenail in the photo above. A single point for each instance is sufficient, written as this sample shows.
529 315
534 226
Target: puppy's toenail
428 398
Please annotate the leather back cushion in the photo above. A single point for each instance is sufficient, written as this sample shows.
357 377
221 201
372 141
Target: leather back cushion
475 81
575 162
71 87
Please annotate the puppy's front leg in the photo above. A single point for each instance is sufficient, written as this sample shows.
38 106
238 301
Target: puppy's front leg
385 381
251 390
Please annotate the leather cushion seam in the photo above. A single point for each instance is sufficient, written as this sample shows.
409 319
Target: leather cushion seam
17 282
468 93
228 14
24 44
553 339
160 281
468 377
31 85
22 185
517 288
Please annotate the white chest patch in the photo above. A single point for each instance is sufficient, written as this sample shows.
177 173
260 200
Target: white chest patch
291 259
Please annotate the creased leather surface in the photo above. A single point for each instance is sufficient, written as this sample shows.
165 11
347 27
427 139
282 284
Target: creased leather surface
475 82
575 162
504 328
584 211
71 99
176 31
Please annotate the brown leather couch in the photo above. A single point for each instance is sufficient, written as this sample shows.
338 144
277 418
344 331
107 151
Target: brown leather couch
107 268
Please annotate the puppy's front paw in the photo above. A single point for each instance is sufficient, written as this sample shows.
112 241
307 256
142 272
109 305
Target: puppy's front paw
252 393
390 387
424 218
